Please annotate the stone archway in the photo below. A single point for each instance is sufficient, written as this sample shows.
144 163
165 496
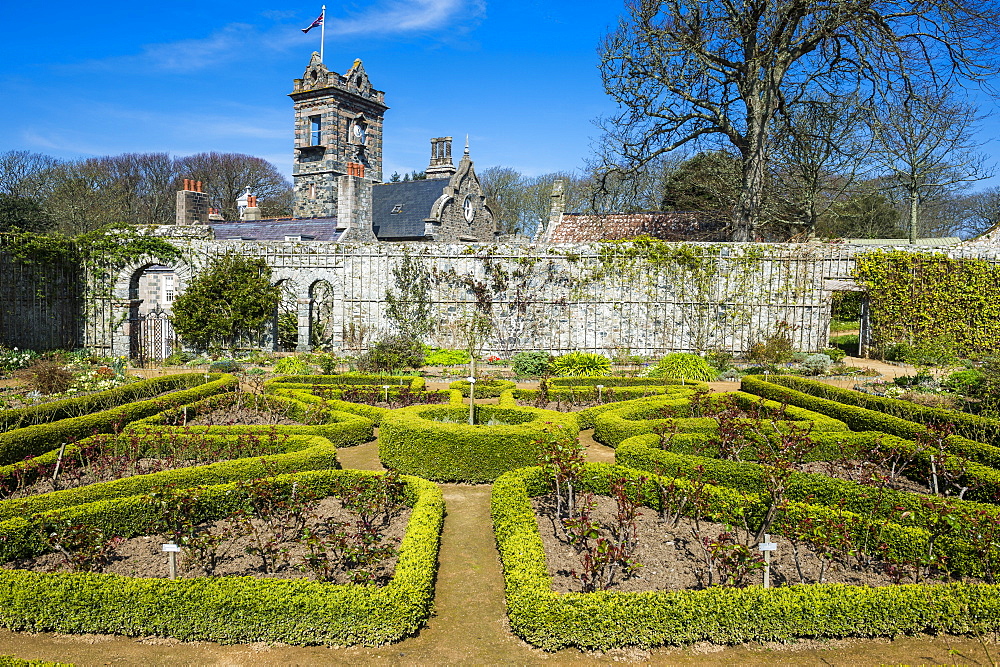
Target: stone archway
127 299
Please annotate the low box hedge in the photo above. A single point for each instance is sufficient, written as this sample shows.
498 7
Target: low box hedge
612 427
973 427
341 428
412 441
609 394
81 405
642 452
294 453
484 388
34 440
587 416
227 609
619 381
375 413
604 619
414 382
863 419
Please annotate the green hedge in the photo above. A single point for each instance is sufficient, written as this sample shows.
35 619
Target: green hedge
587 416
484 388
612 394
34 440
604 620
102 400
342 428
612 427
642 452
412 442
297 452
228 609
863 419
375 413
974 427
617 381
415 382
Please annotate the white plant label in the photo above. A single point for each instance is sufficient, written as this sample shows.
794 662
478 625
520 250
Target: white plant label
167 548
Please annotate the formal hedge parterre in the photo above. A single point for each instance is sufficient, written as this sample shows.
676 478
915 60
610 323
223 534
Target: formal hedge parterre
375 413
974 427
863 419
102 400
484 388
226 609
617 381
723 615
414 382
642 452
611 395
341 428
413 440
34 440
611 427
294 453
587 416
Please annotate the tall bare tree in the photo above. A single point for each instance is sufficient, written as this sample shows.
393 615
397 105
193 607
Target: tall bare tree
719 72
227 175
925 142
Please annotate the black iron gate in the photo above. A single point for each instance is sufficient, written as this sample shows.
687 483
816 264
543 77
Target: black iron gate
151 337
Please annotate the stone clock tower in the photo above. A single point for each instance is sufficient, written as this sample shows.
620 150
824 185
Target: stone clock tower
338 144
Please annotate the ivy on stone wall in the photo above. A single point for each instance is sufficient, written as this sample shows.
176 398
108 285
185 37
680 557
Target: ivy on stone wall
931 299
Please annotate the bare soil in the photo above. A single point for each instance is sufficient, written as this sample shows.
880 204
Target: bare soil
672 557
861 472
143 556
73 478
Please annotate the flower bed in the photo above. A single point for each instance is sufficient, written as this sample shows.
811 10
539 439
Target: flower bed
439 444
225 609
34 440
613 426
603 620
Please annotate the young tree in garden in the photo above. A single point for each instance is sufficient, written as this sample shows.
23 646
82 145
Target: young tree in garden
409 305
228 302
690 72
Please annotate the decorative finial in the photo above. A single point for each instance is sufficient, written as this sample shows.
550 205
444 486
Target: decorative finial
466 144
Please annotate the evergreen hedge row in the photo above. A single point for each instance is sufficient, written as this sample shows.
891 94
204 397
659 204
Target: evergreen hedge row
484 388
412 441
587 416
375 413
611 427
610 394
296 453
342 428
618 381
414 382
722 615
974 427
81 405
34 440
226 609
863 419
643 453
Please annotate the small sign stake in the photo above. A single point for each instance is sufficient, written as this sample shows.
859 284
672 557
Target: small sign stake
767 546
171 550
472 400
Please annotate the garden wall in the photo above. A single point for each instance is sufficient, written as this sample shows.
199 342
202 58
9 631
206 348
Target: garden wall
649 297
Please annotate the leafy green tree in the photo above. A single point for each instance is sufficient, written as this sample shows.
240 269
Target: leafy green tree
226 303
708 181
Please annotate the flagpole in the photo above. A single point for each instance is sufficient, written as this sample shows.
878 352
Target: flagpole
322 33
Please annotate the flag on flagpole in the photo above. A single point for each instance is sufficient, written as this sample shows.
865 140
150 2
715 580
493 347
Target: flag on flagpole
315 24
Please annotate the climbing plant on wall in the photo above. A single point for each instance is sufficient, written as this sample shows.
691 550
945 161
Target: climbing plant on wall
408 305
931 299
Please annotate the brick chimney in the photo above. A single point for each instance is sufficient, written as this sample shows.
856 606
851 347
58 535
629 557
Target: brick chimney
441 165
252 211
192 204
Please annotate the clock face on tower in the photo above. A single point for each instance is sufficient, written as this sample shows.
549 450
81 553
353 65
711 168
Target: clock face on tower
468 209
359 132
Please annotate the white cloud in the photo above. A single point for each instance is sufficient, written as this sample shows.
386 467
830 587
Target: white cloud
400 16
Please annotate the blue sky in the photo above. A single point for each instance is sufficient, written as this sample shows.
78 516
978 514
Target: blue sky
520 77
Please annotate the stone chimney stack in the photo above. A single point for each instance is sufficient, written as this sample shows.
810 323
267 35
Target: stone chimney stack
354 206
251 211
192 204
441 165
556 210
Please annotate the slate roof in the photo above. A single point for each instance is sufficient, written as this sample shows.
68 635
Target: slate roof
672 226
415 199
933 242
320 229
